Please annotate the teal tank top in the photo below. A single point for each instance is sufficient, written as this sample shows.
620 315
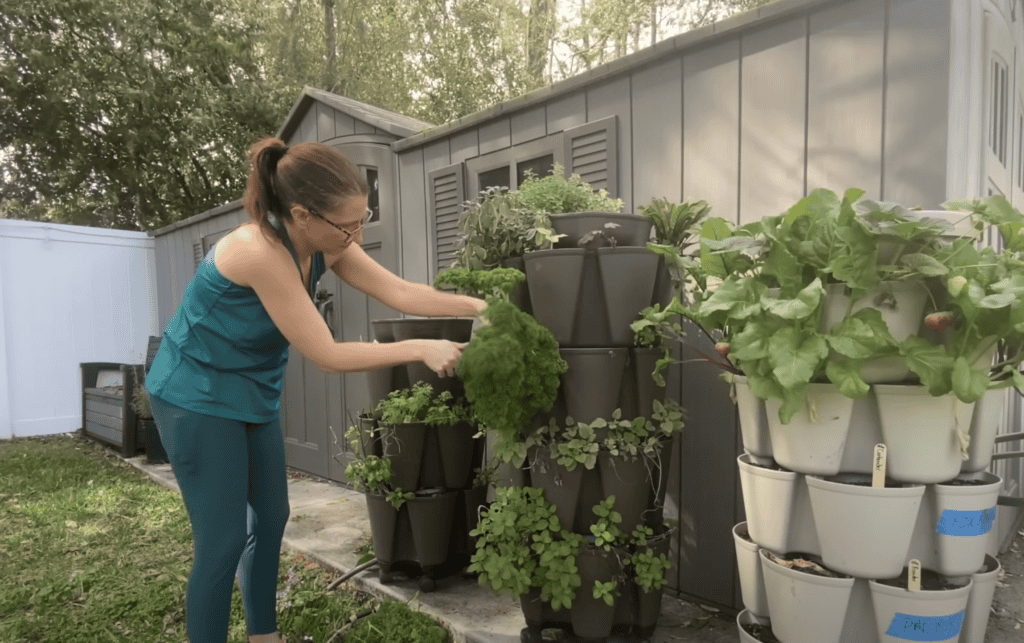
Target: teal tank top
221 353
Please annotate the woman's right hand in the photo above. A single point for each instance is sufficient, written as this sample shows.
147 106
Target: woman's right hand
442 356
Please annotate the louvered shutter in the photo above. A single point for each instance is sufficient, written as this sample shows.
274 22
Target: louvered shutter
591 150
446 196
197 251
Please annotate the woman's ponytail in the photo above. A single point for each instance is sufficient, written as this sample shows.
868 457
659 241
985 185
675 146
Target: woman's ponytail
261 197
312 175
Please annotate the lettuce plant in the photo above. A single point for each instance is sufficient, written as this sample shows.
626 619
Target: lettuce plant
770 280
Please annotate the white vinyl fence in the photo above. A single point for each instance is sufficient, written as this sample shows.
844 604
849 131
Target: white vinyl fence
68 294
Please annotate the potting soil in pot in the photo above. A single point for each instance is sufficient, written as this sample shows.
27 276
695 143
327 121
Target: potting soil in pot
930 581
762 633
964 483
803 563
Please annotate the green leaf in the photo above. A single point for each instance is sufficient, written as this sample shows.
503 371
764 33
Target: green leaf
863 335
794 361
969 384
806 302
931 363
1000 300
714 228
925 264
845 374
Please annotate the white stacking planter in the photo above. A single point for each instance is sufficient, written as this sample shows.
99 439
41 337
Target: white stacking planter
867 535
814 439
921 432
902 615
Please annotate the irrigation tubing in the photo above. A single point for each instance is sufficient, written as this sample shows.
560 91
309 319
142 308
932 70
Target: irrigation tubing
350 574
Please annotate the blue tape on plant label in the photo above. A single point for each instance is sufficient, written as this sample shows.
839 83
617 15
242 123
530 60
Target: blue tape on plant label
926 628
966 523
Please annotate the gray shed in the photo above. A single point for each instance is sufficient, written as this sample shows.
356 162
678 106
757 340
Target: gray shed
749 114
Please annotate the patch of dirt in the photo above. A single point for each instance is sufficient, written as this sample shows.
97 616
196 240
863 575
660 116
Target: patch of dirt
1006 622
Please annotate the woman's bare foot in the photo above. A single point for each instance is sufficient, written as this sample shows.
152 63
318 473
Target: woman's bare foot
267 638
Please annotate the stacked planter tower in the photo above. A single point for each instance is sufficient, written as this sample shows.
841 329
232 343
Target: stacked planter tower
428 535
587 290
865 524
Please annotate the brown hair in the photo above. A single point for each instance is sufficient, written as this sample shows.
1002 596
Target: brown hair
313 175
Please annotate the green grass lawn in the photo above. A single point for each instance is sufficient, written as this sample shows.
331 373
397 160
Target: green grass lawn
92 550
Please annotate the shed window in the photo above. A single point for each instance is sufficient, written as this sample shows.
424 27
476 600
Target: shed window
498 177
999 97
373 198
541 166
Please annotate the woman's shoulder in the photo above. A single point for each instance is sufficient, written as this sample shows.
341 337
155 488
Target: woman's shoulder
242 250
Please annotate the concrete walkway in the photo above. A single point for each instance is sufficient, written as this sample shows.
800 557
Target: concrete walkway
329 523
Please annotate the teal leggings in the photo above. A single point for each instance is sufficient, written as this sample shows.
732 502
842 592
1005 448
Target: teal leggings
233 481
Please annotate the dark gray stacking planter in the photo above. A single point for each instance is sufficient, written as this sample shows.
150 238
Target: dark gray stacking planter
520 295
632 230
600 380
589 298
451 328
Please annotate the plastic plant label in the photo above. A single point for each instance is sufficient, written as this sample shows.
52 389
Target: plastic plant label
914 578
878 470
926 628
955 522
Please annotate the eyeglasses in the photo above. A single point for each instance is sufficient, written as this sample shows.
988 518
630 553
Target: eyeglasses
350 235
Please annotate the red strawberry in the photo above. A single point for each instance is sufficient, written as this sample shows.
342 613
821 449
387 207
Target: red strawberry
939 321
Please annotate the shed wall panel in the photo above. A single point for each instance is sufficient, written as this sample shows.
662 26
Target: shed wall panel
415 255
844 120
495 136
464 145
362 127
324 122
615 99
710 122
657 134
344 125
708 476
567 112
162 254
306 131
529 125
773 119
916 110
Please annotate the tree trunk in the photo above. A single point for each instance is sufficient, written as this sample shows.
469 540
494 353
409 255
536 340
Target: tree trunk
538 36
330 66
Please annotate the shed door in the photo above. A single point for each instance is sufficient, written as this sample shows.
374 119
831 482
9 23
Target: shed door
318 407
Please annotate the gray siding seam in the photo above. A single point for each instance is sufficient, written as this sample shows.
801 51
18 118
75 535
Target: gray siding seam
885 97
739 133
682 142
807 95
632 148
693 39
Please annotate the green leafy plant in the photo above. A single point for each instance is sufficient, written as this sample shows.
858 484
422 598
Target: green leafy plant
676 224
483 284
606 530
605 591
497 226
397 498
649 569
556 194
370 473
520 544
575 444
767 308
419 404
511 369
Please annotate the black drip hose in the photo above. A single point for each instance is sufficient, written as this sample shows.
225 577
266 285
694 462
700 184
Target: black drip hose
350 574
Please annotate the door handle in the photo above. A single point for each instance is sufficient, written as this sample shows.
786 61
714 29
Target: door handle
325 304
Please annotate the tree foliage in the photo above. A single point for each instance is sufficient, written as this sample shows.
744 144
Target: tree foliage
136 113
128 114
